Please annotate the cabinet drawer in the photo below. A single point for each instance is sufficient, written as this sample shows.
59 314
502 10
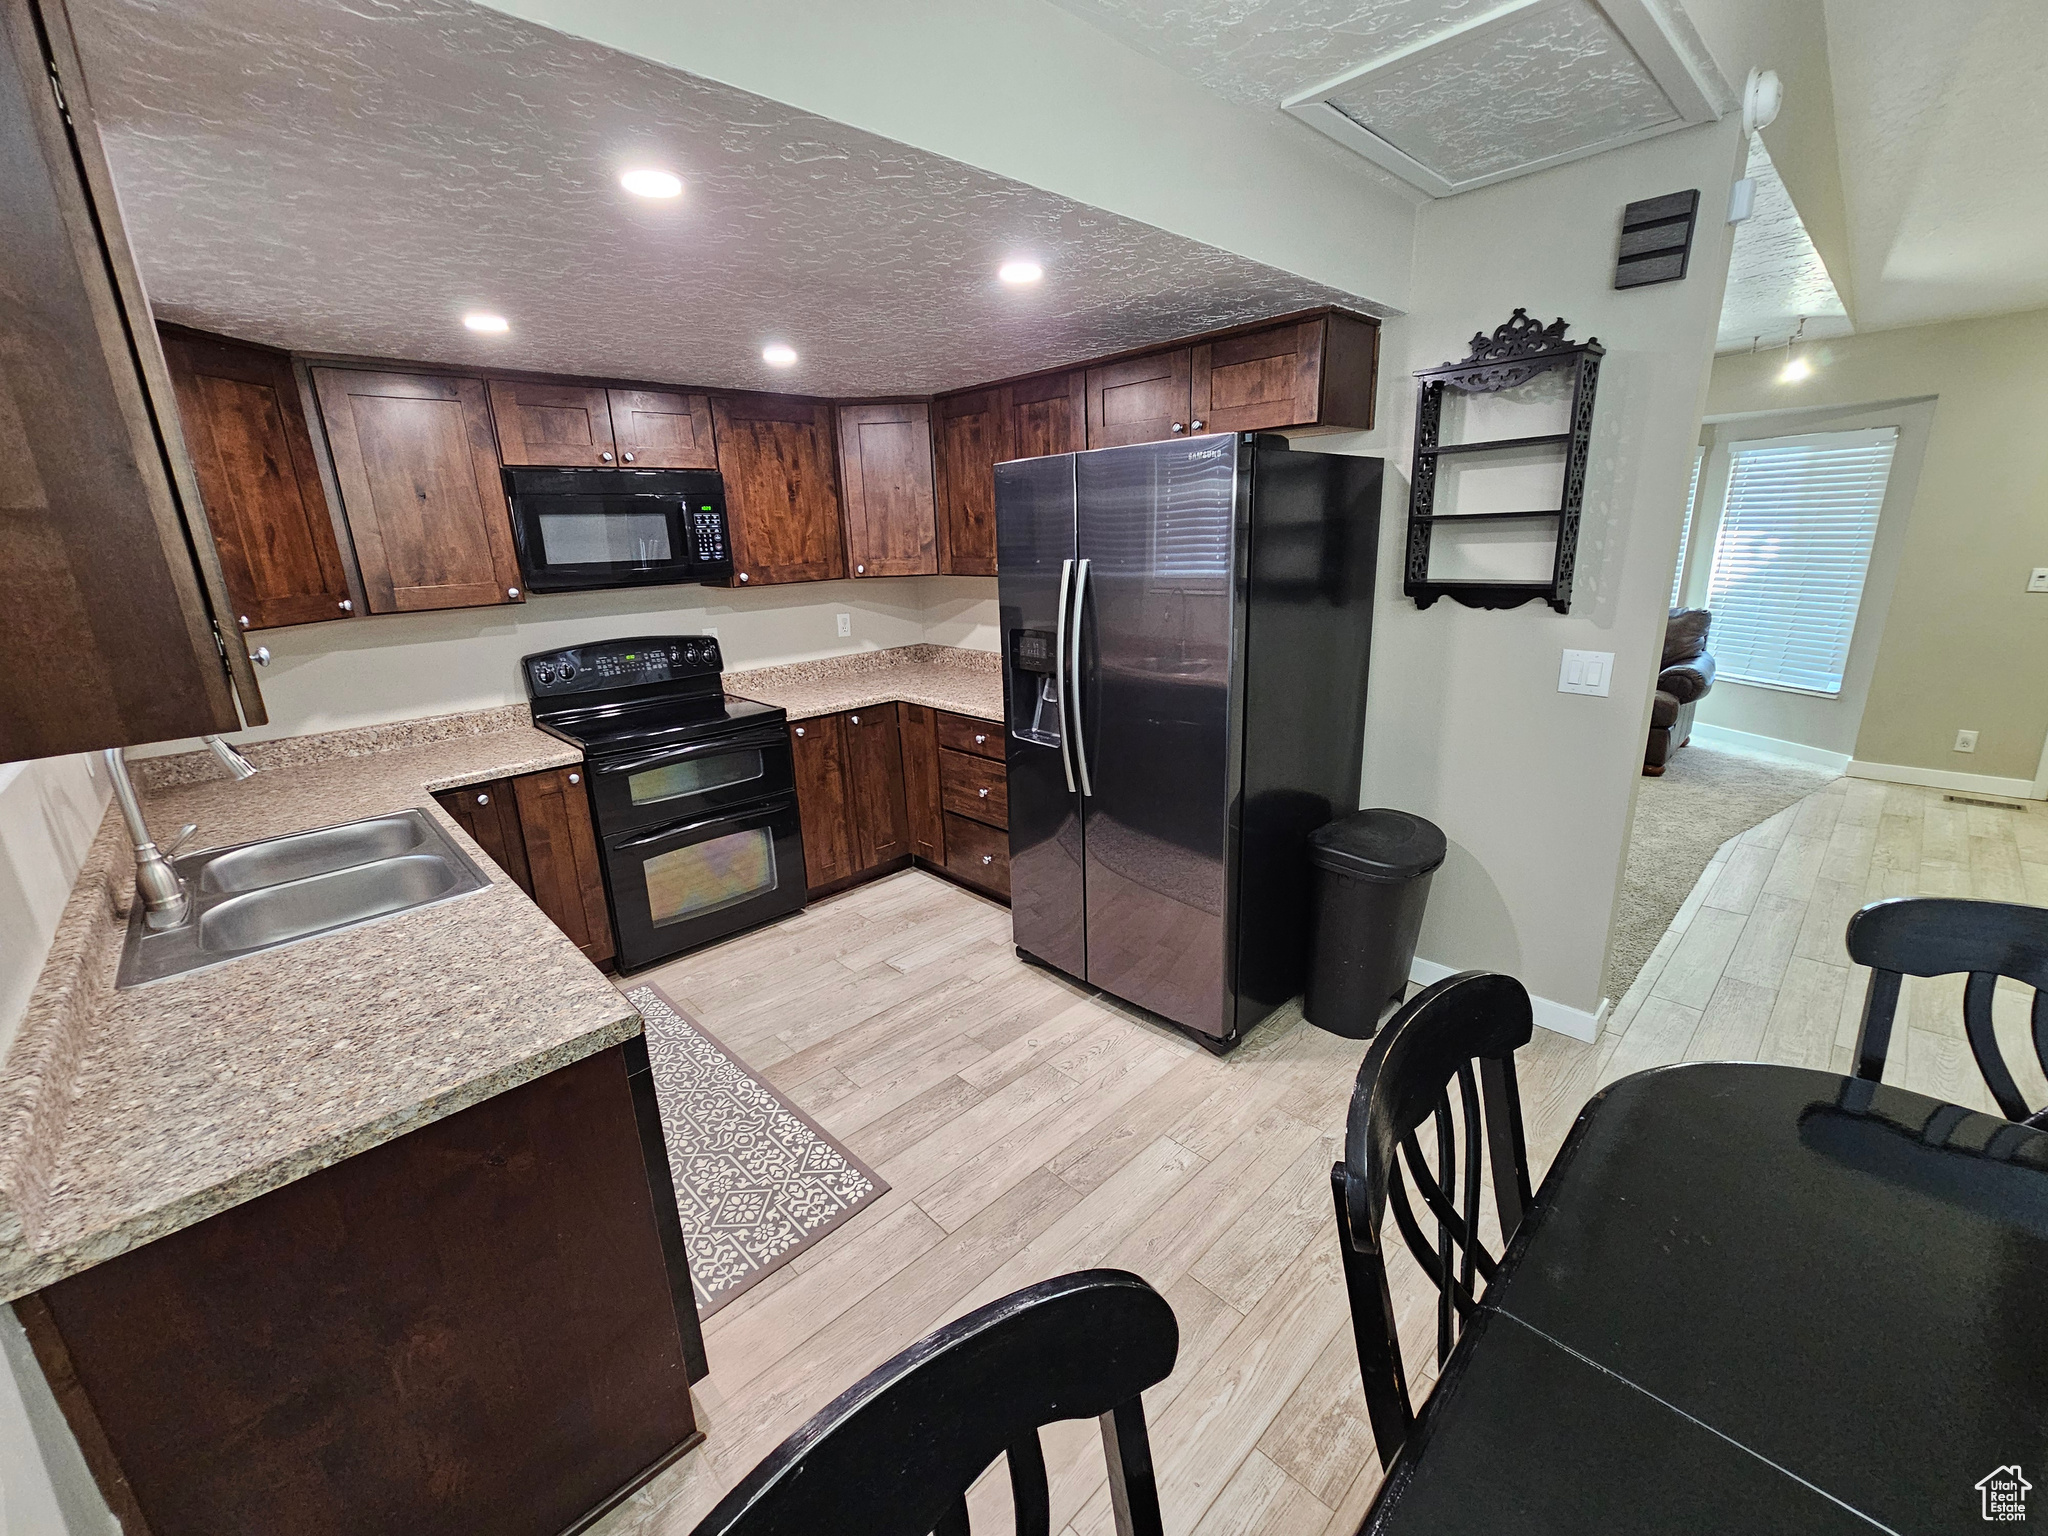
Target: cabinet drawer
984 738
974 786
978 854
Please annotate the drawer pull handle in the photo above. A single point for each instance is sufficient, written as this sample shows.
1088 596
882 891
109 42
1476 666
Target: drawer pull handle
575 778
988 858
483 799
983 793
799 730
856 719
979 740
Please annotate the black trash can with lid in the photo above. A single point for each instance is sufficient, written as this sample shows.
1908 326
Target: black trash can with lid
1372 871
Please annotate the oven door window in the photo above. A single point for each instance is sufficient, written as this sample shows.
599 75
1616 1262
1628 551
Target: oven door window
705 877
693 776
605 535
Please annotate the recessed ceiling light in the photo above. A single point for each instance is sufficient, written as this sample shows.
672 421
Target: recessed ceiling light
1020 272
477 320
650 183
778 356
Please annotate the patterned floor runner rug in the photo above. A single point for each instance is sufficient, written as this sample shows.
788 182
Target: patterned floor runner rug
757 1180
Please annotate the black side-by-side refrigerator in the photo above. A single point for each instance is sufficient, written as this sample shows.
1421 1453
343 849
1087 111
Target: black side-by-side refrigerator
1185 627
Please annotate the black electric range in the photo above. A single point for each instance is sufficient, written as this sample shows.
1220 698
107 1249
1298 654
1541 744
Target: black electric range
693 793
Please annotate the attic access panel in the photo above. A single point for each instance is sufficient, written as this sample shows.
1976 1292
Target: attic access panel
1522 86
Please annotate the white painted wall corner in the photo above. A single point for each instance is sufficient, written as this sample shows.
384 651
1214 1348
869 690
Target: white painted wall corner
1558 1018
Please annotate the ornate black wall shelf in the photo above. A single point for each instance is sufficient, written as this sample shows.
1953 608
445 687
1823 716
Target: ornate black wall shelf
1514 354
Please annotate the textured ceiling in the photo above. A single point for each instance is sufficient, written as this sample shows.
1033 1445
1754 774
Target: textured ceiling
1944 150
1775 276
352 177
1466 90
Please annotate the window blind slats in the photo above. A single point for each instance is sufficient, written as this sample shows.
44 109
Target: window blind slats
1792 554
1692 498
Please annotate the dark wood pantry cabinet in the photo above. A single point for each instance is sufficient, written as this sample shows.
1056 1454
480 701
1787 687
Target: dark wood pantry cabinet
418 470
537 828
885 462
781 495
253 455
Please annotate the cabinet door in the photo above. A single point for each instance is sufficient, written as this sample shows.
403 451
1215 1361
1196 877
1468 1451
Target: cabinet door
561 853
253 455
824 798
967 443
781 495
489 812
657 430
1139 401
885 463
1046 416
874 760
419 485
563 425
1259 381
919 729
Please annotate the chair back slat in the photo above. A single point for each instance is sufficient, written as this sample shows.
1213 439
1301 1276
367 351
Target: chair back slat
895 1454
1945 936
1465 1029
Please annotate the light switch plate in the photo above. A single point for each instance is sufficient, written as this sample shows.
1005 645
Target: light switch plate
2038 582
1586 672
845 624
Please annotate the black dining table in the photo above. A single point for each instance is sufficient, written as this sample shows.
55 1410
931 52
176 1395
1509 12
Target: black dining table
1753 1299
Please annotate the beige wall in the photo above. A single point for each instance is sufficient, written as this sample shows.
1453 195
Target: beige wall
1465 724
1965 645
1825 723
50 810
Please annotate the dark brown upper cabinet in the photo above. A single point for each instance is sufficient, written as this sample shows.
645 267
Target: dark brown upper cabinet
253 455
564 425
111 594
419 481
1315 373
1139 400
781 495
968 441
885 464
659 430
1046 415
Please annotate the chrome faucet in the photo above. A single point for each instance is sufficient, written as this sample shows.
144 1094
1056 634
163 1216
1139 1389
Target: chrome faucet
166 903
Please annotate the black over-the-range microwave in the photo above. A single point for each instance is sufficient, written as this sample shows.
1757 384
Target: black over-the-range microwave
579 530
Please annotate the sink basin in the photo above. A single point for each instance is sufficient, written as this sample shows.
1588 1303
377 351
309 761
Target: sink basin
258 896
263 919
254 866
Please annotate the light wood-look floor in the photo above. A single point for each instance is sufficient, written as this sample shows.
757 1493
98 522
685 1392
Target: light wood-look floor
1028 1128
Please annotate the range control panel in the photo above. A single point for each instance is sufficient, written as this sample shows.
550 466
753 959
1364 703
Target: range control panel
621 664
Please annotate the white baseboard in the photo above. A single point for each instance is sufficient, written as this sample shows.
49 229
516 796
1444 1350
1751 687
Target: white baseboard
1555 1017
1769 746
1942 778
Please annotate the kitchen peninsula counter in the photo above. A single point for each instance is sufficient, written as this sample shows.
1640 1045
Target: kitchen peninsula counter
126 1115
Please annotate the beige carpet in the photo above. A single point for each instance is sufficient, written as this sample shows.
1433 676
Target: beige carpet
1705 797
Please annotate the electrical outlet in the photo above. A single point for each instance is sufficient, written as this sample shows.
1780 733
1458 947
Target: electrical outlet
1585 672
1966 741
845 625
2038 582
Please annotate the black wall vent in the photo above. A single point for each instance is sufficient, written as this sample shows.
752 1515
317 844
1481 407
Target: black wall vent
1656 239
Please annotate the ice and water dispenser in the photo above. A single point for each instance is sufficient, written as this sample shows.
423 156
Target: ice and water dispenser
1034 687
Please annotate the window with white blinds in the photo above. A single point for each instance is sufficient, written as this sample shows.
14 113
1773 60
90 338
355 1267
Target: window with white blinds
1792 553
1692 499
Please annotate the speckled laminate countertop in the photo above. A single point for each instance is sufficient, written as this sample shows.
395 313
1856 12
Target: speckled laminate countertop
941 676
126 1115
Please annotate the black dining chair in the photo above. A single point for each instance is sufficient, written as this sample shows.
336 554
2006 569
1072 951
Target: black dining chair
1941 936
1466 1028
895 1454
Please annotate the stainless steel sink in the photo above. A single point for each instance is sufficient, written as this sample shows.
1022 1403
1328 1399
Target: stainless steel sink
257 896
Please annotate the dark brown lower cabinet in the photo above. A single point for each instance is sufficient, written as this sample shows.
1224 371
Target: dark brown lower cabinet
919 726
824 799
874 762
537 828
849 792
484 1325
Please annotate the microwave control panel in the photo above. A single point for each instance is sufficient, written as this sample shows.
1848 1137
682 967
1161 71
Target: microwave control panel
707 531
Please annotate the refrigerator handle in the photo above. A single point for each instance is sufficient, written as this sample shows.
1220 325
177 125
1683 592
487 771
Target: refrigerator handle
1059 670
1074 671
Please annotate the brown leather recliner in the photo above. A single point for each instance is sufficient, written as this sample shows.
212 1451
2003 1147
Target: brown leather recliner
1687 676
